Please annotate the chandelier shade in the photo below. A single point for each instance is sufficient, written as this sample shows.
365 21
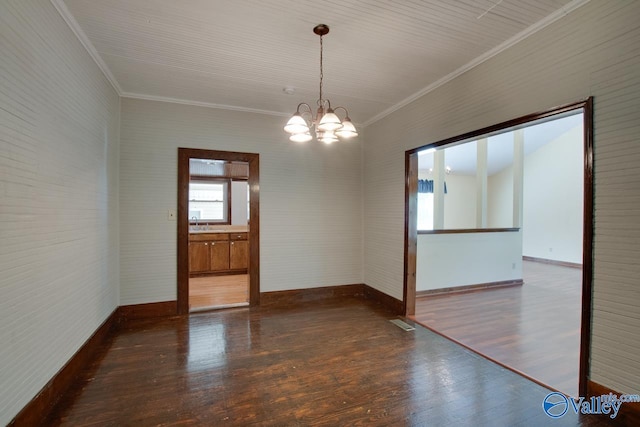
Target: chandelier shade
296 124
301 137
348 130
328 125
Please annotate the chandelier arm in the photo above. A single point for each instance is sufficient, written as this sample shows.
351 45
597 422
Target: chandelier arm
306 105
346 113
306 114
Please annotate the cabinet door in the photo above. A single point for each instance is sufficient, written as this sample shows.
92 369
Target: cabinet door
198 257
219 256
239 254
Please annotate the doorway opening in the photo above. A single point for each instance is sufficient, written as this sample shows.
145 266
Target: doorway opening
218 229
485 234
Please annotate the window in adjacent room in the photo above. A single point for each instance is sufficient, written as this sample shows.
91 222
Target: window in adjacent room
209 201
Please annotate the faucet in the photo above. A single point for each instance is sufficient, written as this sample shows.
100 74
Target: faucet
194 218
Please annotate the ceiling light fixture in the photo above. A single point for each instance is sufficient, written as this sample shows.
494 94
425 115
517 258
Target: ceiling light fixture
447 170
328 126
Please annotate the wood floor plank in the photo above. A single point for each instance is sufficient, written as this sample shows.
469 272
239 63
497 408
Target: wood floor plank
334 362
533 328
216 291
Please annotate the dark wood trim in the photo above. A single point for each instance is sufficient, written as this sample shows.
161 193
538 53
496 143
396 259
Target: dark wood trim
587 248
469 230
296 296
37 409
146 311
629 414
513 123
254 230
410 234
552 262
587 234
469 288
184 154
229 200
394 305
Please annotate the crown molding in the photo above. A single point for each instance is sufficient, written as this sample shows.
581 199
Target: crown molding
550 19
84 40
66 15
201 104
144 97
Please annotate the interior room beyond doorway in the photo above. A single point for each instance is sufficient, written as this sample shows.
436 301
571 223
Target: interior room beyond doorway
503 231
218 234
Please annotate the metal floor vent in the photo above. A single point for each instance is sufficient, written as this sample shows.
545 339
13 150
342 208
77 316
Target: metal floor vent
400 324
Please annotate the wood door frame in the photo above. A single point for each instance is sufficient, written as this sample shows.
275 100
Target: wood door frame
410 219
184 155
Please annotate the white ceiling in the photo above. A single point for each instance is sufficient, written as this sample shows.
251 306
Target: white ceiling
240 54
462 158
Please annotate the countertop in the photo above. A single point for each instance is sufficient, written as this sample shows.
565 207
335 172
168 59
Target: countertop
220 229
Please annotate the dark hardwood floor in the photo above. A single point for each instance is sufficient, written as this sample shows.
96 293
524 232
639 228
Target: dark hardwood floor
335 362
533 328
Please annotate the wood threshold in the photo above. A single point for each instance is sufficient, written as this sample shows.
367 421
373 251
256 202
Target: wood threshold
469 230
511 323
552 262
469 288
218 307
220 273
41 405
629 413
497 362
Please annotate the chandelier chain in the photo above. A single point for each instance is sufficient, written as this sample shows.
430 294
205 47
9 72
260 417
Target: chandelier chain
321 75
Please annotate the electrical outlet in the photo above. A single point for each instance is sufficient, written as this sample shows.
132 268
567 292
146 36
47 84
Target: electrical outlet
171 215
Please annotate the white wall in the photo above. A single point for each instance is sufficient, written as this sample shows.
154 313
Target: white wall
460 259
594 50
310 198
500 199
59 199
239 199
460 202
553 199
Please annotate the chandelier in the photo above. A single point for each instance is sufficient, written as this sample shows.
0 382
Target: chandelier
328 126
